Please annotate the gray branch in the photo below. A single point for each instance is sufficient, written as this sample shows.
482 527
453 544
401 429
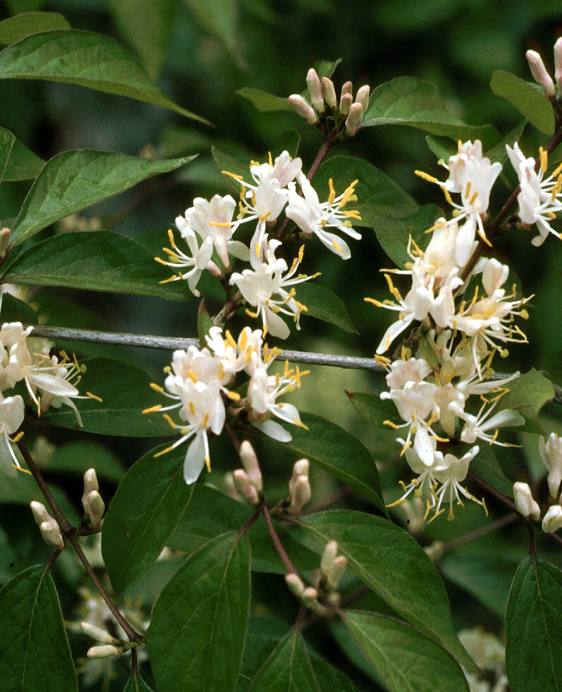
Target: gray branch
171 343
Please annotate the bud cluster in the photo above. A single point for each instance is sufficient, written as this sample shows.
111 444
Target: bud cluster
92 502
300 491
341 116
246 483
540 73
49 527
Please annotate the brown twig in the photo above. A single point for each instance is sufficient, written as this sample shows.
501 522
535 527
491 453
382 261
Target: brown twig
69 533
480 532
277 544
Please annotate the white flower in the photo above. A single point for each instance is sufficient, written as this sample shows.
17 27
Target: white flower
244 354
450 473
12 411
552 520
478 426
472 176
269 287
195 262
524 501
14 353
411 394
263 391
314 217
540 198
551 454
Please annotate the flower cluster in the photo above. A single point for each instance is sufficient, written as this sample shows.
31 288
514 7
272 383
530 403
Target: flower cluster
268 285
464 315
199 386
47 379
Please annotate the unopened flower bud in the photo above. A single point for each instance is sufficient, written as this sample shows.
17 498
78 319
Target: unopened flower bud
228 480
346 88
362 96
4 240
251 464
336 572
96 508
303 108
295 584
551 454
300 494
301 468
97 633
40 513
103 651
245 488
524 502
354 118
90 483
213 269
328 556
552 520
51 533
558 62
329 92
539 72
315 90
309 596
345 103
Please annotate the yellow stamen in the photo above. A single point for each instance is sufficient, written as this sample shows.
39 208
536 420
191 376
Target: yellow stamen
95 397
152 409
425 176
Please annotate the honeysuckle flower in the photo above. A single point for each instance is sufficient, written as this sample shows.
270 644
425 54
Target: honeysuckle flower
244 354
14 353
195 262
263 391
411 394
552 520
270 288
472 176
551 454
540 198
478 426
314 217
12 412
524 501
450 473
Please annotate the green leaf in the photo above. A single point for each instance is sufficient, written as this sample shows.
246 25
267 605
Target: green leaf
75 180
23 164
204 323
27 23
125 393
85 59
393 234
93 261
390 562
220 18
526 97
14 310
378 195
264 101
534 627
325 305
527 395
404 658
486 466
7 140
77 457
414 103
34 650
225 162
143 514
376 411
132 18
136 684
290 668
339 453
198 629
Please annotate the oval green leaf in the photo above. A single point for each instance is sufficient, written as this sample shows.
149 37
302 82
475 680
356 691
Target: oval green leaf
21 25
526 97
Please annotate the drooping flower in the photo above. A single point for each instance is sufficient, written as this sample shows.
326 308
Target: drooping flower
195 262
450 473
12 411
551 454
314 217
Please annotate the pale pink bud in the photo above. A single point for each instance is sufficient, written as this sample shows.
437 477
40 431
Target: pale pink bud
328 556
329 92
97 633
300 494
251 464
524 502
362 96
103 651
309 596
96 508
558 62
346 88
303 108
354 118
214 269
295 584
315 90
552 520
51 533
539 72
228 480
345 103
336 572
245 487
